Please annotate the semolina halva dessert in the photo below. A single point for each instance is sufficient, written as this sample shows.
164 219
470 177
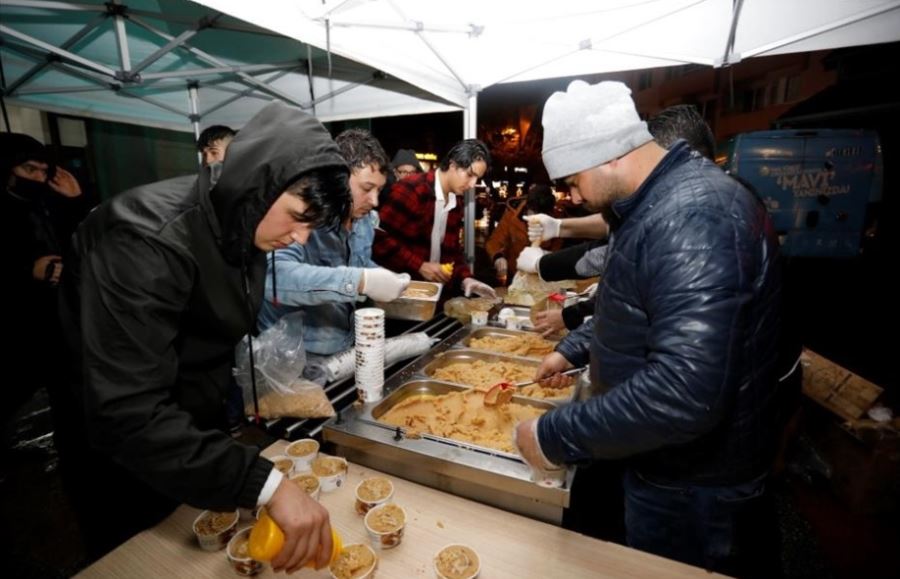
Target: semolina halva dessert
457 562
481 374
213 530
527 345
214 523
328 466
239 555
307 482
372 492
375 489
355 562
461 416
284 464
385 524
331 471
302 447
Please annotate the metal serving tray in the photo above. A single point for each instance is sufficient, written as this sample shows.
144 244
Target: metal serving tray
487 475
477 333
437 388
417 303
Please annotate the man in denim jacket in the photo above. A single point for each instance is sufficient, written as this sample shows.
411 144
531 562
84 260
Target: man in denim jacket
685 338
334 270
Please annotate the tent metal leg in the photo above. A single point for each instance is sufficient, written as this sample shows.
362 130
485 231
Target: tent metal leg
470 131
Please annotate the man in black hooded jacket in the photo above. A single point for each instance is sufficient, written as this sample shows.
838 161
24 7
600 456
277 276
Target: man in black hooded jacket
165 280
41 206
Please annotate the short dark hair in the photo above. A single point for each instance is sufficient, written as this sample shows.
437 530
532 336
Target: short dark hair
683 122
361 149
326 192
466 152
540 199
213 134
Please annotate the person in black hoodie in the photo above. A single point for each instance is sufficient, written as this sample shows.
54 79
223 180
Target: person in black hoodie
42 205
166 280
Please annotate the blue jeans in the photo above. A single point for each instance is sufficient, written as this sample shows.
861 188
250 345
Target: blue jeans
728 529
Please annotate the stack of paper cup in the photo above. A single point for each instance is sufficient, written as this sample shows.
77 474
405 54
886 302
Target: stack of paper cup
369 354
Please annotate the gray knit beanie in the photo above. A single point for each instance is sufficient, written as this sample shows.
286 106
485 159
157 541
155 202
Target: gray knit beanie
589 125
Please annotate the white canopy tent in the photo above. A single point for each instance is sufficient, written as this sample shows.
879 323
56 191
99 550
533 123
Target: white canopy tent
174 64
382 57
456 49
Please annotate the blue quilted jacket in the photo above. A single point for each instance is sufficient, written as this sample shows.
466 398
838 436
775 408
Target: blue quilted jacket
685 335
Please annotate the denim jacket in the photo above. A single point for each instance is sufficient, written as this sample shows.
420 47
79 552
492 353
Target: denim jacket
322 279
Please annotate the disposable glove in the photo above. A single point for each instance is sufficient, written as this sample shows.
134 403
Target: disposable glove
529 258
542 227
471 285
543 472
383 285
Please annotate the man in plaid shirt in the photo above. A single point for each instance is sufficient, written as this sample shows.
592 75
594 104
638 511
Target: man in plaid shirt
420 220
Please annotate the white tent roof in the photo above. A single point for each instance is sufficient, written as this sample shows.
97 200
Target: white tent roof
454 49
134 60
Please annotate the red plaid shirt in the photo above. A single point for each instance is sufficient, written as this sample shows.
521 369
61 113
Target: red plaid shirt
403 240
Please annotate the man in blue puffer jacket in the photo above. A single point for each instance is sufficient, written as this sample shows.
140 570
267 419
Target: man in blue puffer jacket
684 339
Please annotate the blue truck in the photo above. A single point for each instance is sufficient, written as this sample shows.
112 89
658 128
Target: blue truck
818 185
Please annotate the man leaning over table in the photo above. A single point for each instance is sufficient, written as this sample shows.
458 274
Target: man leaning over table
685 343
164 281
421 220
327 275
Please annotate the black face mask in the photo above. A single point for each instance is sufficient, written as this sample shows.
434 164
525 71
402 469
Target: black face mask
30 190
215 171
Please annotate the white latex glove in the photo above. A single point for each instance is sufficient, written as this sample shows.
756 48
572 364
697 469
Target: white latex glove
543 472
529 258
383 285
501 266
542 227
471 285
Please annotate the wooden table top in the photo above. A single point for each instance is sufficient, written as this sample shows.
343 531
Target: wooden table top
509 545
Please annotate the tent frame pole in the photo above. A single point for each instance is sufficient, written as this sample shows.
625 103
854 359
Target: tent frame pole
470 131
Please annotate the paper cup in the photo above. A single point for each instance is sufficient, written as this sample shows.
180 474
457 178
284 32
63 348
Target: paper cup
330 470
385 525
239 555
309 483
302 452
372 492
457 561
213 530
341 569
283 463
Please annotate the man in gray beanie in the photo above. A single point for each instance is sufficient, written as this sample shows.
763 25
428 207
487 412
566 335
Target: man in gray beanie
685 339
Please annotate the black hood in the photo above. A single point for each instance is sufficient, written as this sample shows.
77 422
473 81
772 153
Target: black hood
17 148
274 148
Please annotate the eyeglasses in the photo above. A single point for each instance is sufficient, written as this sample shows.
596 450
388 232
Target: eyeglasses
404 172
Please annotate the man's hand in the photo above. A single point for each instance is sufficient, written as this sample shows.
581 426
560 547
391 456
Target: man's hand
65 183
548 372
542 227
549 322
432 271
502 268
526 441
383 285
529 258
471 285
306 527
51 264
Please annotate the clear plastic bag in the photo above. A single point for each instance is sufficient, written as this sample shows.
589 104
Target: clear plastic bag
279 360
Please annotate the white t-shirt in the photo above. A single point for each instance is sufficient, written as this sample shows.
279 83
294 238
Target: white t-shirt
441 213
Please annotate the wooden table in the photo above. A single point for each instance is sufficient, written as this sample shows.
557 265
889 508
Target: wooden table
510 546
